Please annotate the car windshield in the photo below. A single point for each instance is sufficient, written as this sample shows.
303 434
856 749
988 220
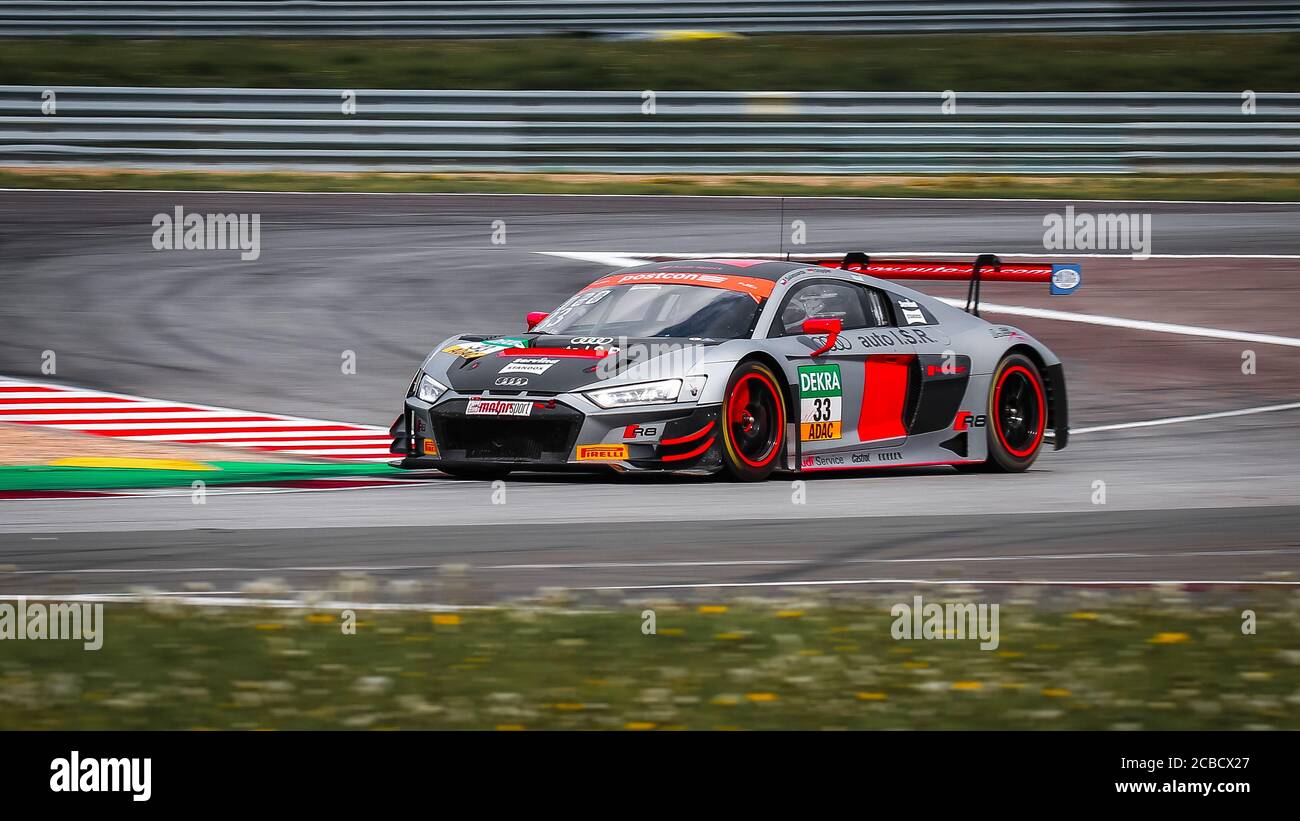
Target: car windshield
650 310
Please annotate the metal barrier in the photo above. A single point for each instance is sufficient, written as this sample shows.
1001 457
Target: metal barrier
477 18
645 132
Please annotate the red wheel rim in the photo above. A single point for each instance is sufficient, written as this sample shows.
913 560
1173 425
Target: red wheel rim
755 420
1018 411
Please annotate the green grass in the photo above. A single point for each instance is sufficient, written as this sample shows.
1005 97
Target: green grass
1167 62
45 477
1104 661
1210 186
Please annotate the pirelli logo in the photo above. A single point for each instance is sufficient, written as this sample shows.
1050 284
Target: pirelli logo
601 453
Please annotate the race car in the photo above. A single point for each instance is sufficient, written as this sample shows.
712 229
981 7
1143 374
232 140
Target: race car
745 367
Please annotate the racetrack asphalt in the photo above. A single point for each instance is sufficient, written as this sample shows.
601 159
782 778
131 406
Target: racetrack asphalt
387 277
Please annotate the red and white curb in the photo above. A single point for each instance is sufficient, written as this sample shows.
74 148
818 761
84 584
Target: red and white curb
138 419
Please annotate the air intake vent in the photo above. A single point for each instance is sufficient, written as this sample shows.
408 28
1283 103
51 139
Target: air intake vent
956 444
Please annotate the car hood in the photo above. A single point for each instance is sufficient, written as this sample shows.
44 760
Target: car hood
558 364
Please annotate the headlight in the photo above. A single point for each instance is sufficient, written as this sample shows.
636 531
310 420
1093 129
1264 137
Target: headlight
430 389
647 393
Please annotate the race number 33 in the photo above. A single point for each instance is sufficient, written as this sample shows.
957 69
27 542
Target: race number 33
821 401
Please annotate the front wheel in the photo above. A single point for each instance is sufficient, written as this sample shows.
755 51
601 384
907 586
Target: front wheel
1017 415
753 423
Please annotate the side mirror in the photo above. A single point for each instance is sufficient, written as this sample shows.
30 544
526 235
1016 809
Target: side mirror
536 318
830 327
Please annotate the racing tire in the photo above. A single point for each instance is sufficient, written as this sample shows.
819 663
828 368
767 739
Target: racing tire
483 473
753 418
1017 415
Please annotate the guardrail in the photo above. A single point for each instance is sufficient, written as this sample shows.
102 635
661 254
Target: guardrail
649 132
476 18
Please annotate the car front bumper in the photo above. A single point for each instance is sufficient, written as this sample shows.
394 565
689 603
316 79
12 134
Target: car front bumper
560 433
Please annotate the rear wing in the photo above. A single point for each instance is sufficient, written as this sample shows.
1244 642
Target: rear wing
1062 278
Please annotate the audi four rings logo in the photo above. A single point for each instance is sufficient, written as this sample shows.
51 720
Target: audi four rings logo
511 381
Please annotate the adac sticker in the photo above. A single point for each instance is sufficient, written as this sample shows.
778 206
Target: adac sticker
821 403
1066 278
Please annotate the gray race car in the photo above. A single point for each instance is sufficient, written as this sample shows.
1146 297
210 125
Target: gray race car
745 367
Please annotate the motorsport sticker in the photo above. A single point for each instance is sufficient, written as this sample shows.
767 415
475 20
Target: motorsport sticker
601 453
472 350
529 364
912 312
509 342
498 407
821 399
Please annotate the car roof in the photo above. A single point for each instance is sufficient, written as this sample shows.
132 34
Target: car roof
757 268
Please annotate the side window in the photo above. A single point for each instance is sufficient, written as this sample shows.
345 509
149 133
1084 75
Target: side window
820 299
877 310
854 305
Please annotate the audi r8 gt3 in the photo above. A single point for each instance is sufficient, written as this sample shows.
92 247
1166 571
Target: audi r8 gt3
744 367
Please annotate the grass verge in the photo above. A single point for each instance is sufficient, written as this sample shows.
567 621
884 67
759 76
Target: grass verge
44 477
984 62
1216 186
1152 660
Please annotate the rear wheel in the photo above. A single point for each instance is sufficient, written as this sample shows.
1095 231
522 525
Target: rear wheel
1017 415
753 423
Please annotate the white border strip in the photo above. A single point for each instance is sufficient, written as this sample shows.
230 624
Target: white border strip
59 169
625 260
1131 324
191 598
951 582
394 568
1173 420
804 256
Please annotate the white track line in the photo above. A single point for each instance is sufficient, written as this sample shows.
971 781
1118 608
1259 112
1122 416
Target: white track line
1132 324
73 416
615 260
1041 313
92 427
623 196
1173 420
952 582
624 260
393 568
73 407
648 256
360 568
259 443
226 599
931 560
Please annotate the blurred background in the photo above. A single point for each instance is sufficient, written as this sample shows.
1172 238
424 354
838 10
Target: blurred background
916 126
681 87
